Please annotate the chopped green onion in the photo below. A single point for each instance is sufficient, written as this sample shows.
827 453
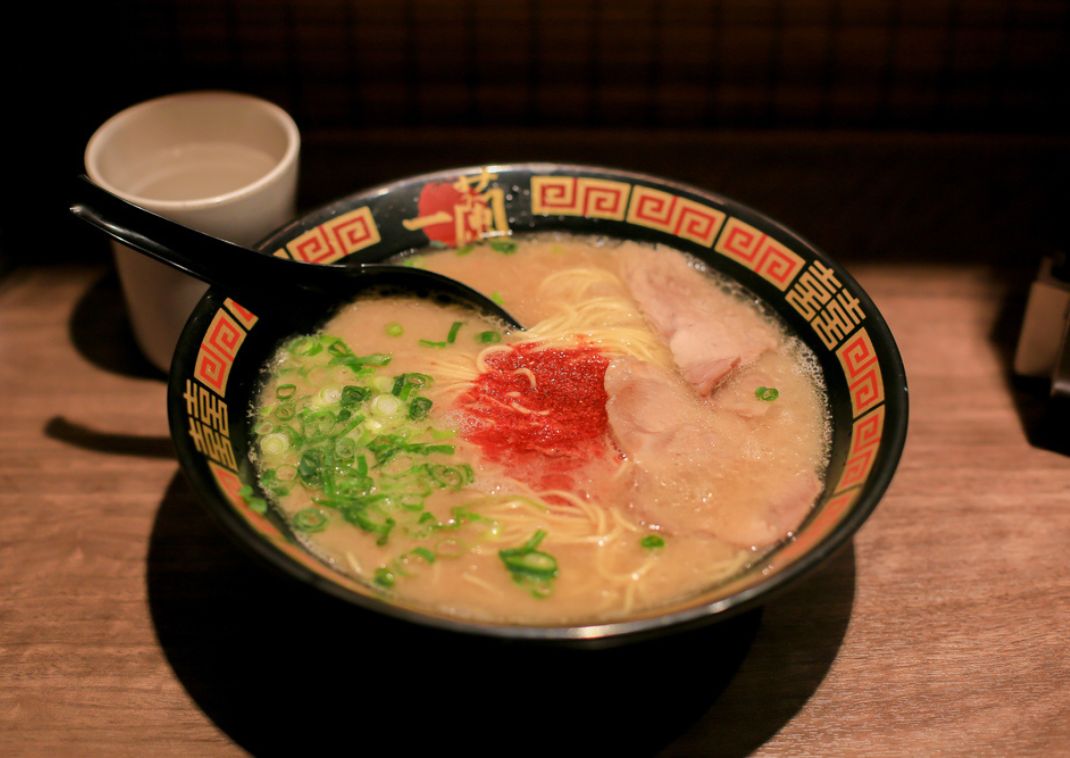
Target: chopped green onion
383 383
284 391
384 577
503 246
419 408
459 516
376 359
330 394
535 563
306 346
274 444
395 329
353 442
451 477
497 297
309 468
530 567
652 541
385 405
424 553
444 449
310 520
411 503
432 343
345 448
465 249
257 505
405 384
769 394
489 337
352 395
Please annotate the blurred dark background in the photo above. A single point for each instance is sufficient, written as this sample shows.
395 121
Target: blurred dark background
918 128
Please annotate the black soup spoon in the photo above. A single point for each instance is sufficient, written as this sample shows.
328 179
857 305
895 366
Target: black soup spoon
257 280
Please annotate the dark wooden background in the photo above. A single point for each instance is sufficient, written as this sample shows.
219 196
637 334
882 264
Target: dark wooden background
802 69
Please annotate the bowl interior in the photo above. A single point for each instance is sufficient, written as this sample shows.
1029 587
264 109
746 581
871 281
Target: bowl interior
217 365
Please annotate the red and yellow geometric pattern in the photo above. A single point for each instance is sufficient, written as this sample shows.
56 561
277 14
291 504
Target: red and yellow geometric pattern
221 343
666 212
334 239
637 204
678 216
865 441
760 253
858 359
245 316
579 196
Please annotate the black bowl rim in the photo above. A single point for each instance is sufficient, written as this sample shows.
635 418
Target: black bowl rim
894 437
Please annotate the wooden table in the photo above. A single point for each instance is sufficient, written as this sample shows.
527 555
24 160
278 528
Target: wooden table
130 624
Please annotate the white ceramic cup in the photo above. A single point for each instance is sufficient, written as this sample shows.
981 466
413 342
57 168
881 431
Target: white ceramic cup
220 162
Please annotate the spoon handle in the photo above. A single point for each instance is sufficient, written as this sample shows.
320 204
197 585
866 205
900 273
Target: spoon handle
217 262
257 280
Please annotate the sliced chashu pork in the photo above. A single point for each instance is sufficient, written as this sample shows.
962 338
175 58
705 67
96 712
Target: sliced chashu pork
706 330
691 471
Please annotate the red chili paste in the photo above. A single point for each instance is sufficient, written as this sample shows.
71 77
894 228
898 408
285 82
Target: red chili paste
541 432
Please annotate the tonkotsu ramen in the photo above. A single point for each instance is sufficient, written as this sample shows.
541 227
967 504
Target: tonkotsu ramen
649 435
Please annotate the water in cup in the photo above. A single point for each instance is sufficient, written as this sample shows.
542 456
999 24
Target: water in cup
197 170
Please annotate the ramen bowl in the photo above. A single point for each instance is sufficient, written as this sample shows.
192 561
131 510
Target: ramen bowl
217 368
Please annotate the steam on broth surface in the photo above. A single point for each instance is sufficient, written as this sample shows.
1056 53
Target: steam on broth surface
643 440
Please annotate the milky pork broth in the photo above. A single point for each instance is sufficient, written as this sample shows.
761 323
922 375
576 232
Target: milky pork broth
647 437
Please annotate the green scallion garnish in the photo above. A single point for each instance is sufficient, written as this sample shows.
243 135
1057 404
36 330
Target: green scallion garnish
530 567
652 541
419 408
353 395
395 329
284 391
363 449
768 394
506 247
424 553
310 520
